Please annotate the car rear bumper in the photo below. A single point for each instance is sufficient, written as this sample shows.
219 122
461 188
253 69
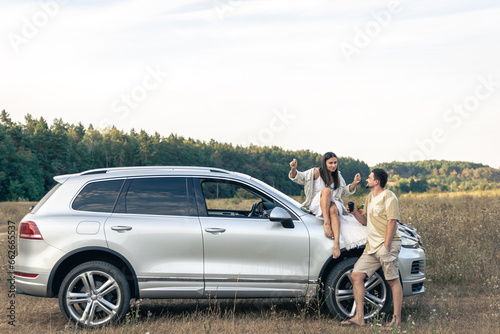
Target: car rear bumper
36 258
32 286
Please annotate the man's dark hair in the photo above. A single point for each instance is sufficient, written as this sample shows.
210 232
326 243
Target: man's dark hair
381 175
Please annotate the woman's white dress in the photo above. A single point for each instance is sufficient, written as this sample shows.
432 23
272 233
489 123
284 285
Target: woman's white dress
352 233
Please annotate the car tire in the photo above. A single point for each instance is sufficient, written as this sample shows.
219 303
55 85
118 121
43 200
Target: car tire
93 294
339 296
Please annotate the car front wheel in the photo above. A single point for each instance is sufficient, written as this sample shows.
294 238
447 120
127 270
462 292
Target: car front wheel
94 293
340 297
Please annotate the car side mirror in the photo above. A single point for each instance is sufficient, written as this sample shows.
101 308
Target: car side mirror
281 215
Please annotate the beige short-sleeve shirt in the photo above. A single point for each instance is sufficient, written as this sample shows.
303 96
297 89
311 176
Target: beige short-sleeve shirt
379 210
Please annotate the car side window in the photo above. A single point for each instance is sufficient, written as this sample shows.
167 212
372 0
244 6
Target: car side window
156 196
231 199
98 196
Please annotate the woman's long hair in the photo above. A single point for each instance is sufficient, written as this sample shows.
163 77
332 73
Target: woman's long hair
327 176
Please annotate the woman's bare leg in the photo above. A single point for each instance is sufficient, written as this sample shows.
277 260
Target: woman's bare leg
335 221
325 203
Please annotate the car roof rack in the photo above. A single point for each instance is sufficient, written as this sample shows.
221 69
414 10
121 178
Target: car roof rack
151 168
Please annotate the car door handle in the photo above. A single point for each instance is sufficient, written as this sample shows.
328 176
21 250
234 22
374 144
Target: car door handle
121 228
215 230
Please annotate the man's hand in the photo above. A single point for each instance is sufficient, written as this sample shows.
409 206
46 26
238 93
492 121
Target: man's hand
392 225
359 216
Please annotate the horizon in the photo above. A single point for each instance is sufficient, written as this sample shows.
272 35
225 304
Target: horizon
419 79
163 136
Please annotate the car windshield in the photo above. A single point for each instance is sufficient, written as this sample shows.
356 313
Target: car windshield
272 189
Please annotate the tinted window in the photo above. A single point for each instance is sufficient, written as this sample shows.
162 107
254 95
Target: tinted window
98 196
156 196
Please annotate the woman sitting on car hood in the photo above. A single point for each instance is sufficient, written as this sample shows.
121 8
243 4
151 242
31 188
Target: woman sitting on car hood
323 187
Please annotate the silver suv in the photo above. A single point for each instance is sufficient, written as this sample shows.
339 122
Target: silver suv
104 236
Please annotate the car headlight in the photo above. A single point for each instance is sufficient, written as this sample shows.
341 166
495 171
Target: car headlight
408 242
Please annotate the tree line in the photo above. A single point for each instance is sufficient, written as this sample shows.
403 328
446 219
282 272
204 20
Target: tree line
440 176
33 152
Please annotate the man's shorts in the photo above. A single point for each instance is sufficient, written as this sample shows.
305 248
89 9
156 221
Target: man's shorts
369 263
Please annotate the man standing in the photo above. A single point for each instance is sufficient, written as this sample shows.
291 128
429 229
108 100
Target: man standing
382 249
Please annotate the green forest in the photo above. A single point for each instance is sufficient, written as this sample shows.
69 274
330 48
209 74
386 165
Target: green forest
440 176
33 152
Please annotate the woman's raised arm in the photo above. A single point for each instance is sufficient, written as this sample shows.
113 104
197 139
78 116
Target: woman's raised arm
293 168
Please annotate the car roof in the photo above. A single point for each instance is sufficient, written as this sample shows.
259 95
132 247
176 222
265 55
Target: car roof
147 170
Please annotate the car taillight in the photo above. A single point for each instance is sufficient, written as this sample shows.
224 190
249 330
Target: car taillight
29 230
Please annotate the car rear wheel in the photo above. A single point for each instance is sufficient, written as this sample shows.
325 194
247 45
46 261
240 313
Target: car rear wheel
93 294
340 297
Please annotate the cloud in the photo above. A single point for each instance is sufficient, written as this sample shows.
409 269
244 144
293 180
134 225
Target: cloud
240 60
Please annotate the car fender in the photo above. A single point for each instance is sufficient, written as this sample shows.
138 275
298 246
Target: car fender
84 252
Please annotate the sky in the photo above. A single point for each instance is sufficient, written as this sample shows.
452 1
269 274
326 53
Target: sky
378 81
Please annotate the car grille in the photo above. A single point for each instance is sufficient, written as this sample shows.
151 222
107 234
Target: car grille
417 267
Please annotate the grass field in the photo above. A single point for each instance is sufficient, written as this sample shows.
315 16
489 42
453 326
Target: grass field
461 235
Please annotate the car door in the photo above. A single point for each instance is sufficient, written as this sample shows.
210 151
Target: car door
245 253
156 228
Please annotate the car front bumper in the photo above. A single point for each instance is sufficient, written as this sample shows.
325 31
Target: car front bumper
412 266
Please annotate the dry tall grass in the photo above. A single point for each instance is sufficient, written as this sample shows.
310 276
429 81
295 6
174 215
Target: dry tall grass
13 212
461 237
